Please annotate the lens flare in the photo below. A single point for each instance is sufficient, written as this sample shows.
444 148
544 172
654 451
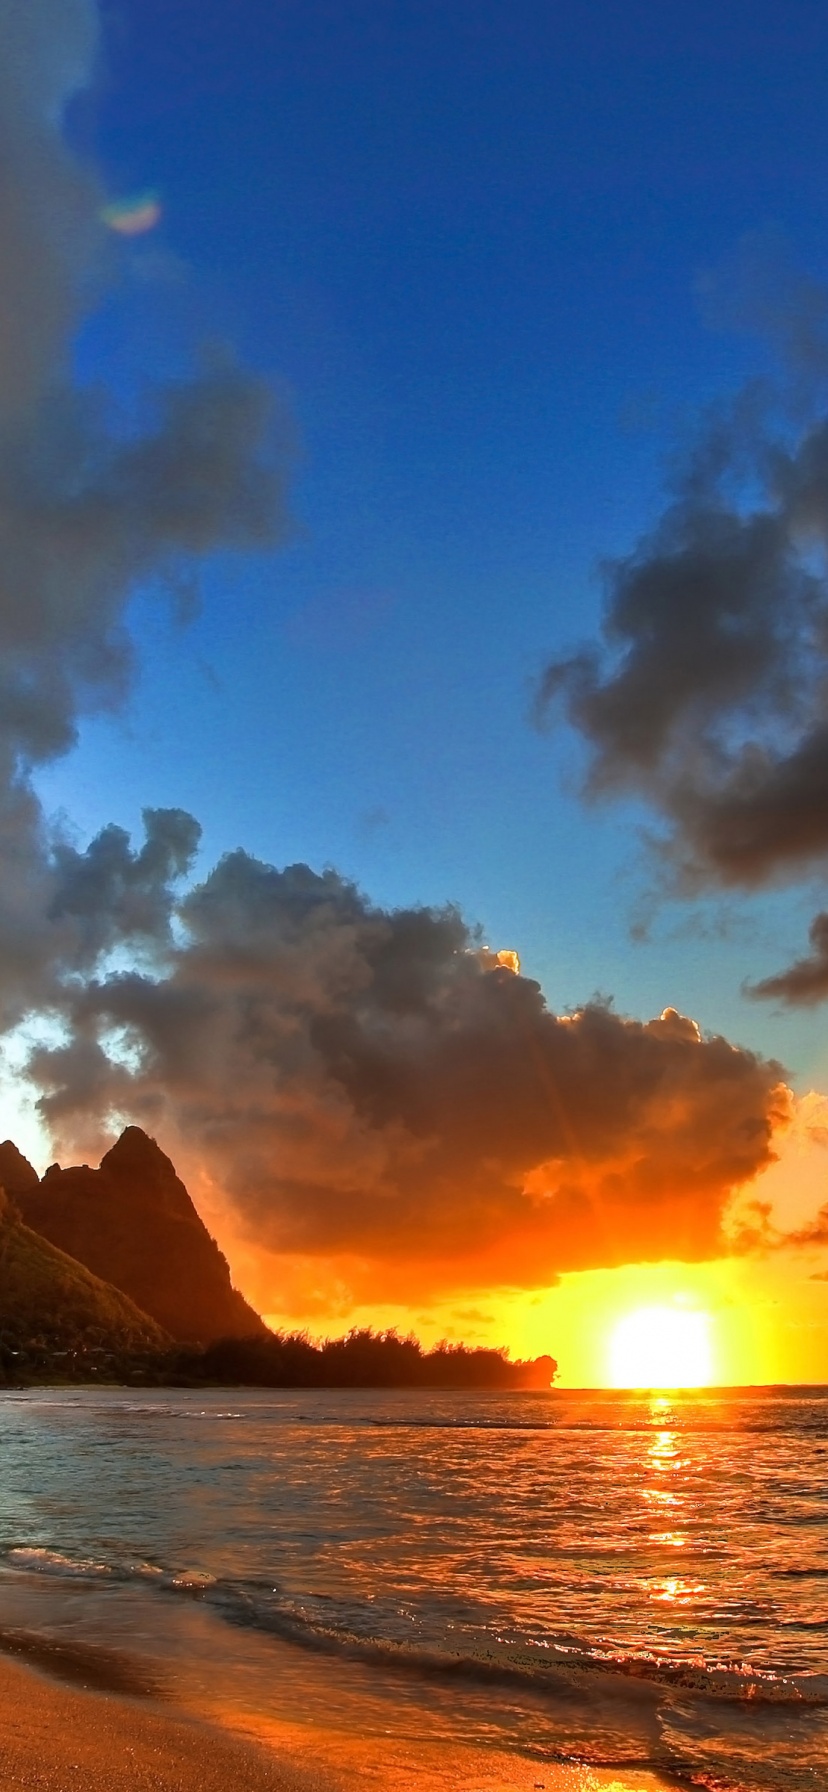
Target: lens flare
133 217
661 1347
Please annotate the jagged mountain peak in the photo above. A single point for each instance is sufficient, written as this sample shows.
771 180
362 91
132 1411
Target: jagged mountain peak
16 1173
132 1223
137 1150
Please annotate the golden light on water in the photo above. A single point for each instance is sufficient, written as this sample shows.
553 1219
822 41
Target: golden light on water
661 1347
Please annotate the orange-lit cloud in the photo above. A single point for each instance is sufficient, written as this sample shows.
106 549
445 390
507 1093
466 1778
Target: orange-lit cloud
370 1089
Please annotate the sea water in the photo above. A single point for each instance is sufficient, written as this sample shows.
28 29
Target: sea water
625 1580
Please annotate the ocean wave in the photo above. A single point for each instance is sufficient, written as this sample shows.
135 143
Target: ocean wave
35 1558
778 1411
555 1665
51 1561
89 1399
550 1664
684 1424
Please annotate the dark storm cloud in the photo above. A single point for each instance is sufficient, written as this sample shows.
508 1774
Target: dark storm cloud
805 982
90 504
115 896
370 1084
707 693
63 910
708 696
84 517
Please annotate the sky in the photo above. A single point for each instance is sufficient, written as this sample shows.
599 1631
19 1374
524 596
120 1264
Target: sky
412 469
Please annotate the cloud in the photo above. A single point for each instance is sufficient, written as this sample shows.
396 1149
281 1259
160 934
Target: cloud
759 290
814 1234
48 200
805 982
706 694
91 503
117 897
367 1084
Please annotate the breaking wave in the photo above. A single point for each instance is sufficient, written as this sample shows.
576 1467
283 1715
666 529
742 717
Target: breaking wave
548 1664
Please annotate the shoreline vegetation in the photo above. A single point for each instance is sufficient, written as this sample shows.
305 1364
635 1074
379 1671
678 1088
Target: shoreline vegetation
361 1359
365 1359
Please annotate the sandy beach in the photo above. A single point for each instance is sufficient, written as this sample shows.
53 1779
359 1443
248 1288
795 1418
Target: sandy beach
93 1729
55 1736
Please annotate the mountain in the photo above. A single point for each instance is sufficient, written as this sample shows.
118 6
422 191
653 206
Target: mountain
133 1224
56 1318
17 1176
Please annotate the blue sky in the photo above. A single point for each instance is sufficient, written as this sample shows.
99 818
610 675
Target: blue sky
465 242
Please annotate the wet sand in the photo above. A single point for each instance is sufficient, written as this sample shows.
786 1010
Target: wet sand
57 1738
81 1719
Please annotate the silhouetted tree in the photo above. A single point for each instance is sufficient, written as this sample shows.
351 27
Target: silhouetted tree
361 1359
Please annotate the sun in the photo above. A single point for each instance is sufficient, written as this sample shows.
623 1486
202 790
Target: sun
661 1347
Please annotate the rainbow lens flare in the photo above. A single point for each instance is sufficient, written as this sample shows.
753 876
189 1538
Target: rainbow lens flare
134 216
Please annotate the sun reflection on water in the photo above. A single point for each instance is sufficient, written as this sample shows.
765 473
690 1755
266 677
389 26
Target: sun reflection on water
664 1485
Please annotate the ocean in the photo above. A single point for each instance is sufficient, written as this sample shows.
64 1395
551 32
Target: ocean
631 1582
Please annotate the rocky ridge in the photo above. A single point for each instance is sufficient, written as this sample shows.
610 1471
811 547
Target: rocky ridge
133 1224
57 1318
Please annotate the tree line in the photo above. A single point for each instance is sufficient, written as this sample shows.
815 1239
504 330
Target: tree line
363 1358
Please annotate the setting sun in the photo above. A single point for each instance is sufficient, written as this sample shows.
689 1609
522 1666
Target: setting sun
661 1347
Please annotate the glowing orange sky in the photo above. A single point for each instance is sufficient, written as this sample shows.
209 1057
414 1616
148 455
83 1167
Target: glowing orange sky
768 1311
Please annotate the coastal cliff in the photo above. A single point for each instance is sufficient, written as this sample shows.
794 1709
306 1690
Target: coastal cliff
57 1318
133 1224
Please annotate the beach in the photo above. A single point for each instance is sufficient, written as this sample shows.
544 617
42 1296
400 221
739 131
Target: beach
56 1736
64 1737
430 1593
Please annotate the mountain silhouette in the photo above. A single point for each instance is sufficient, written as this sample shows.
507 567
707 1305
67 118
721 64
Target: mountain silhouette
56 1317
133 1224
17 1176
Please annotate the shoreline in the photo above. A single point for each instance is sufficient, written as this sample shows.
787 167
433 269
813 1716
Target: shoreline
81 1717
67 1733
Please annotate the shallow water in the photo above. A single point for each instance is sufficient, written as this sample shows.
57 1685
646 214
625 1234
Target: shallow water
604 1578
